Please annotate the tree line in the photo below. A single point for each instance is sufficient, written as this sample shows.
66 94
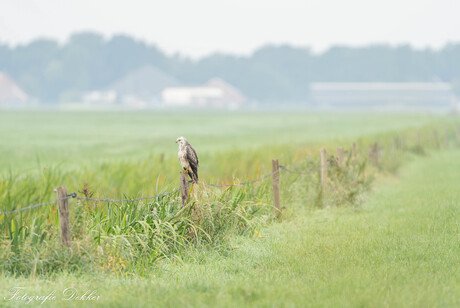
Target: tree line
88 61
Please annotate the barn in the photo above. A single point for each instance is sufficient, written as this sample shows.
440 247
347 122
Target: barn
11 94
215 93
434 96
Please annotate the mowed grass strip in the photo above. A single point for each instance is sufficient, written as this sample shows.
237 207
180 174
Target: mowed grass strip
401 249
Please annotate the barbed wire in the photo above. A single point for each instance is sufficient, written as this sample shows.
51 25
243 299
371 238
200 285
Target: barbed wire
38 205
74 195
135 199
243 183
300 172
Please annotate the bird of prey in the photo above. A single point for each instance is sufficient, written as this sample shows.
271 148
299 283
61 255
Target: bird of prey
188 158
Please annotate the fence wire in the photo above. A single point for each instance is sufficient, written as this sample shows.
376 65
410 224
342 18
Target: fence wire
243 183
35 206
74 195
135 199
300 172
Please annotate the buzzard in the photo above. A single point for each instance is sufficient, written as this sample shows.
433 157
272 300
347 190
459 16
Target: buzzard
188 158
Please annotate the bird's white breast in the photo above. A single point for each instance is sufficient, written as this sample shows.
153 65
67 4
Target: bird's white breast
182 154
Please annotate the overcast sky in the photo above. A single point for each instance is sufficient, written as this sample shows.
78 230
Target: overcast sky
200 27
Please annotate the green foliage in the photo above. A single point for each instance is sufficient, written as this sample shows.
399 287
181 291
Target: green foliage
129 237
348 183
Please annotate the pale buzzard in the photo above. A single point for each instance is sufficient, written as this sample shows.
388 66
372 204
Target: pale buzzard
188 158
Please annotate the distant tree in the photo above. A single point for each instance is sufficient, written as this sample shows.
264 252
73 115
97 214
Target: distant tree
88 61
456 87
5 54
28 65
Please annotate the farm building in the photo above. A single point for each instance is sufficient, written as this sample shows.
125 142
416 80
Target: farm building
11 95
382 95
231 94
215 93
100 97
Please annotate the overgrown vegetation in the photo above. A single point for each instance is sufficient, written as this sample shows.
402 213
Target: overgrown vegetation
129 238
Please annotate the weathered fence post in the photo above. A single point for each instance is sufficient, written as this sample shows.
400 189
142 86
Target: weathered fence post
276 187
436 139
63 208
375 151
340 156
419 140
457 133
401 142
323 167
183 188
373 154
354 152
396 143
446 138
369 154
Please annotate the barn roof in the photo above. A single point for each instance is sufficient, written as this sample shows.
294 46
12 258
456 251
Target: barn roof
146 81
10 92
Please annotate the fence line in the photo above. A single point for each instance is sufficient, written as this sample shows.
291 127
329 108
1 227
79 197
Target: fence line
243 183
74 195
62 200
300 172
132 200
322 168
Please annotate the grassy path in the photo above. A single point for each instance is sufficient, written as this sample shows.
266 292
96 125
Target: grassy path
401 249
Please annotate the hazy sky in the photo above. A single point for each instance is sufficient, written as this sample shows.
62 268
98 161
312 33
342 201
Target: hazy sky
199 27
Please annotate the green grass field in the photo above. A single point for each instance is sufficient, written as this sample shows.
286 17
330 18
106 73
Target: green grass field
108 150
348 246
48 139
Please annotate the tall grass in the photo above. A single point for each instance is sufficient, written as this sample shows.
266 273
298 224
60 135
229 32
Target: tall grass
130 237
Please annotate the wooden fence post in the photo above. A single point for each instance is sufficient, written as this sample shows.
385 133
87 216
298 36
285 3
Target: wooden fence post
323 167
446 138
340 156
419 140
402 142
436 139
276 187
396 143
183 188
63 208
375 154
457 133
369 154
353 150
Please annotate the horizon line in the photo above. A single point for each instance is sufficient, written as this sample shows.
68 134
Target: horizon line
185 55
